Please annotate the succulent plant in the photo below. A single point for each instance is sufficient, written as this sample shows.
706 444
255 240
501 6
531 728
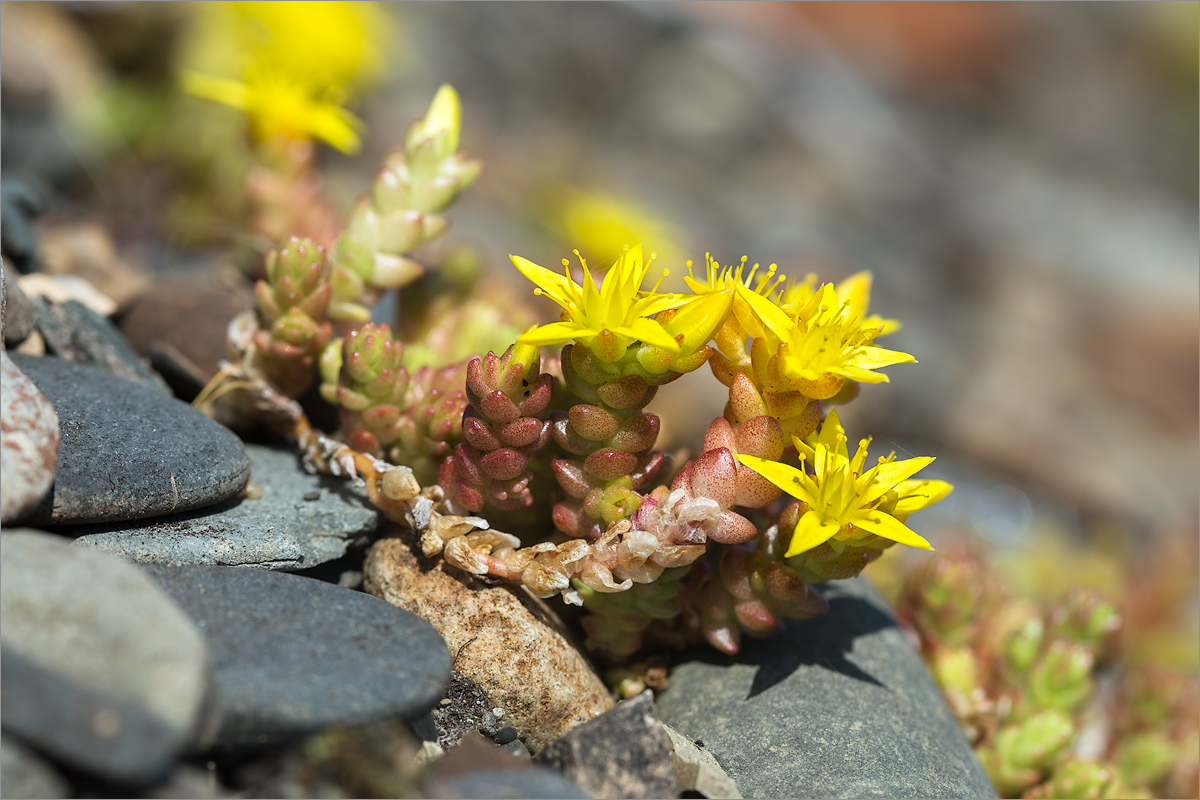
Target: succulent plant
293 301
410 419
401 211
1021 678
502 428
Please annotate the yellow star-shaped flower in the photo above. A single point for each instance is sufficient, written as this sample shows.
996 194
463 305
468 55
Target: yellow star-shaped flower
844 501
853 294
815 346
607 320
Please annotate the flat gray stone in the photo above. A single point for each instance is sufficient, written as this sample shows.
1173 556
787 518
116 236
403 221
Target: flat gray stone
100 669
28 443
128 452
23 773
839 706
300 521
293 655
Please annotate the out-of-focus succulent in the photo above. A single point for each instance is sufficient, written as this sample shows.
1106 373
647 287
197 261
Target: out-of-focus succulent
293 301
1021 679
1021 754
1074 777
401 211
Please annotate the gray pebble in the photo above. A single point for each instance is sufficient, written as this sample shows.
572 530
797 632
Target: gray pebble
18 309
128 452
101 670
293 655
300 521
77 333
23 773
504 735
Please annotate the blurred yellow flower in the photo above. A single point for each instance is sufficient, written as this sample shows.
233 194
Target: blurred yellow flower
321 43
601 226
278 107
844 502
296 64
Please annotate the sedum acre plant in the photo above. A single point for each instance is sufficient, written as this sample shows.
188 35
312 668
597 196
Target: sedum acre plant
1043 691
551 438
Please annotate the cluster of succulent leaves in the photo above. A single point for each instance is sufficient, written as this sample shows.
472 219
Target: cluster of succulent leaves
1042 692
562 447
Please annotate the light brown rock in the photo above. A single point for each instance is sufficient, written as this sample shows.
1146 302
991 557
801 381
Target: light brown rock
61 288
498 639
87 251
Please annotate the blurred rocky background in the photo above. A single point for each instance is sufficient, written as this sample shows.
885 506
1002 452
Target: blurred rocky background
1020 178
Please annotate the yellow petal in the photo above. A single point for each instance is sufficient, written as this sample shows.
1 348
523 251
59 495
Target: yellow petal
855 293
889 527
699 319
556 285
785 476
871 357
219 90
915 495
859 374
653 303
776 321
811 531
884 477
335 125
650 332
555 333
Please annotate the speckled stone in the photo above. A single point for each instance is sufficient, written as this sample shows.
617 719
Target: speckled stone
293 655
29 442
101 670
839 706
128 452
299 522
503 642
